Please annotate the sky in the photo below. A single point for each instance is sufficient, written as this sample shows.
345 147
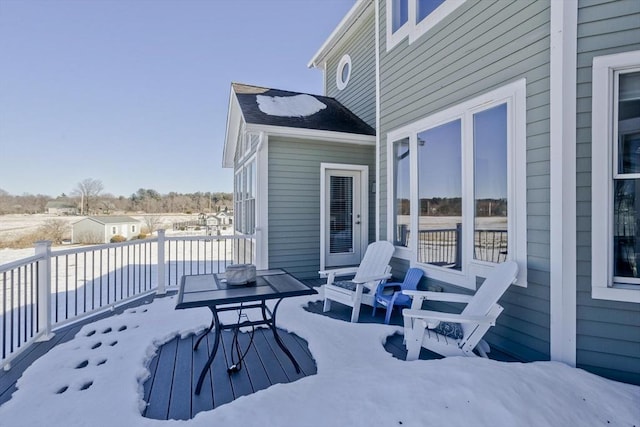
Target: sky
134 93
357 383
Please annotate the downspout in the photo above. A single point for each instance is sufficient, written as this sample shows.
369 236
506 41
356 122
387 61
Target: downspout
378 174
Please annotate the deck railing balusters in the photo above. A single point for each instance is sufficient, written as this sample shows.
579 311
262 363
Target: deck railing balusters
28 285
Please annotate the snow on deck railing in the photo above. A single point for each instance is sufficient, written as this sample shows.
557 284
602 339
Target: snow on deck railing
51 289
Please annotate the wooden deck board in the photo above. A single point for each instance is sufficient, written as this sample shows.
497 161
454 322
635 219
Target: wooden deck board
174 371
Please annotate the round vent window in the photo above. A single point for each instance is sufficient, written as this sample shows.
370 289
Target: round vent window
343 72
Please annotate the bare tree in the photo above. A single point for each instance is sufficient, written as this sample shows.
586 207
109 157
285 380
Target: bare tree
88 189
152 222
55 230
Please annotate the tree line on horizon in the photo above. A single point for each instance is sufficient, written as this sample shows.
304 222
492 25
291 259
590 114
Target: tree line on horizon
90 199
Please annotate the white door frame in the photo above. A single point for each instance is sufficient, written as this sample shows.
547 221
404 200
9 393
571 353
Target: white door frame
364 203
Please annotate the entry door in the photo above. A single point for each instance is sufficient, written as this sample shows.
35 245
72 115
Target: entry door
343 217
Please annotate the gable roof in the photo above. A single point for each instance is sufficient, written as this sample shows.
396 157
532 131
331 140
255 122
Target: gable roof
332 115
286 113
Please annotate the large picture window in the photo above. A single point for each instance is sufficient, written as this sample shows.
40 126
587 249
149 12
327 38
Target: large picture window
468 189
616 181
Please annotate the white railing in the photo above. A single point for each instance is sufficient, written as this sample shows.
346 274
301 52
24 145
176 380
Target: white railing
51 289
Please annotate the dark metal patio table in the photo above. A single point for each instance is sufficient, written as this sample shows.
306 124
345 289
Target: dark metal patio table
212 291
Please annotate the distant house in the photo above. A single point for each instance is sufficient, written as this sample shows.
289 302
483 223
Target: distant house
61 207
100 229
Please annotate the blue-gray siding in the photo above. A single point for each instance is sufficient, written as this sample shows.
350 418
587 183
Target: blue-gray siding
360 94
481 46
608 332
294 199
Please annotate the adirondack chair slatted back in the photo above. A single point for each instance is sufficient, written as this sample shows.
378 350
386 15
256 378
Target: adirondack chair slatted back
412 279
486 298
375 260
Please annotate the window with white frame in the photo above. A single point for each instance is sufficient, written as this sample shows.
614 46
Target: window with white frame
413 18
401 195
468 187
343 72
616 177
245 198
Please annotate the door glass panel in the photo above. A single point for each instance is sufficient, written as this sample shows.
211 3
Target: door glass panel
440 196
490 182
341 212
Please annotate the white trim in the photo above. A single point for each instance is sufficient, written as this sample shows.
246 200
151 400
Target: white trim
378 139
514 95
563 255
345 60
338 33
314 134
364 204
602 128
235 120
262 202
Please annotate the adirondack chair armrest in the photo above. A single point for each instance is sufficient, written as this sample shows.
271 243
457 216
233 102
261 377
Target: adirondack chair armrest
338 272
439 296
363 280
434 317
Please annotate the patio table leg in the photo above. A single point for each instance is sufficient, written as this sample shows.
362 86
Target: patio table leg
216 324
195 347
272 324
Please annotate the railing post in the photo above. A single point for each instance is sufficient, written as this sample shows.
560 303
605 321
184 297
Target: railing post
43 247
458 245
162 289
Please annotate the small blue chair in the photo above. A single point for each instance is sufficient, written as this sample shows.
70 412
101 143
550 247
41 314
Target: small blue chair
390 294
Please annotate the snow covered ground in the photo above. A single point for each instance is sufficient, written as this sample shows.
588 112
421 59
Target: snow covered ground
358 383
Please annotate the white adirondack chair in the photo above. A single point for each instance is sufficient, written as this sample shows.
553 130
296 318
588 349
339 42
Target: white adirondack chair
373 269
478 316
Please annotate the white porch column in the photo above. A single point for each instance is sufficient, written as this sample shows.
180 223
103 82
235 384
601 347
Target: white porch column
563 252
161 278
43 248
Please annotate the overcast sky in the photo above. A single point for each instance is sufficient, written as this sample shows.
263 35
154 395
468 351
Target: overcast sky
135 92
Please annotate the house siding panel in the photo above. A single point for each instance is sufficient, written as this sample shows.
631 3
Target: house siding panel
608 332
482 46
294 199
360 94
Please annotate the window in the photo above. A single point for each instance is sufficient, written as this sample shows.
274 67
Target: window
343 72
425 8
440 195
468 189
401 196
114 230
245 198
616 179
413 18
133 228
399 14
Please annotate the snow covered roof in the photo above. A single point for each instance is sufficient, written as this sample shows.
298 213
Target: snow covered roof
276 107
116 219
282 112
